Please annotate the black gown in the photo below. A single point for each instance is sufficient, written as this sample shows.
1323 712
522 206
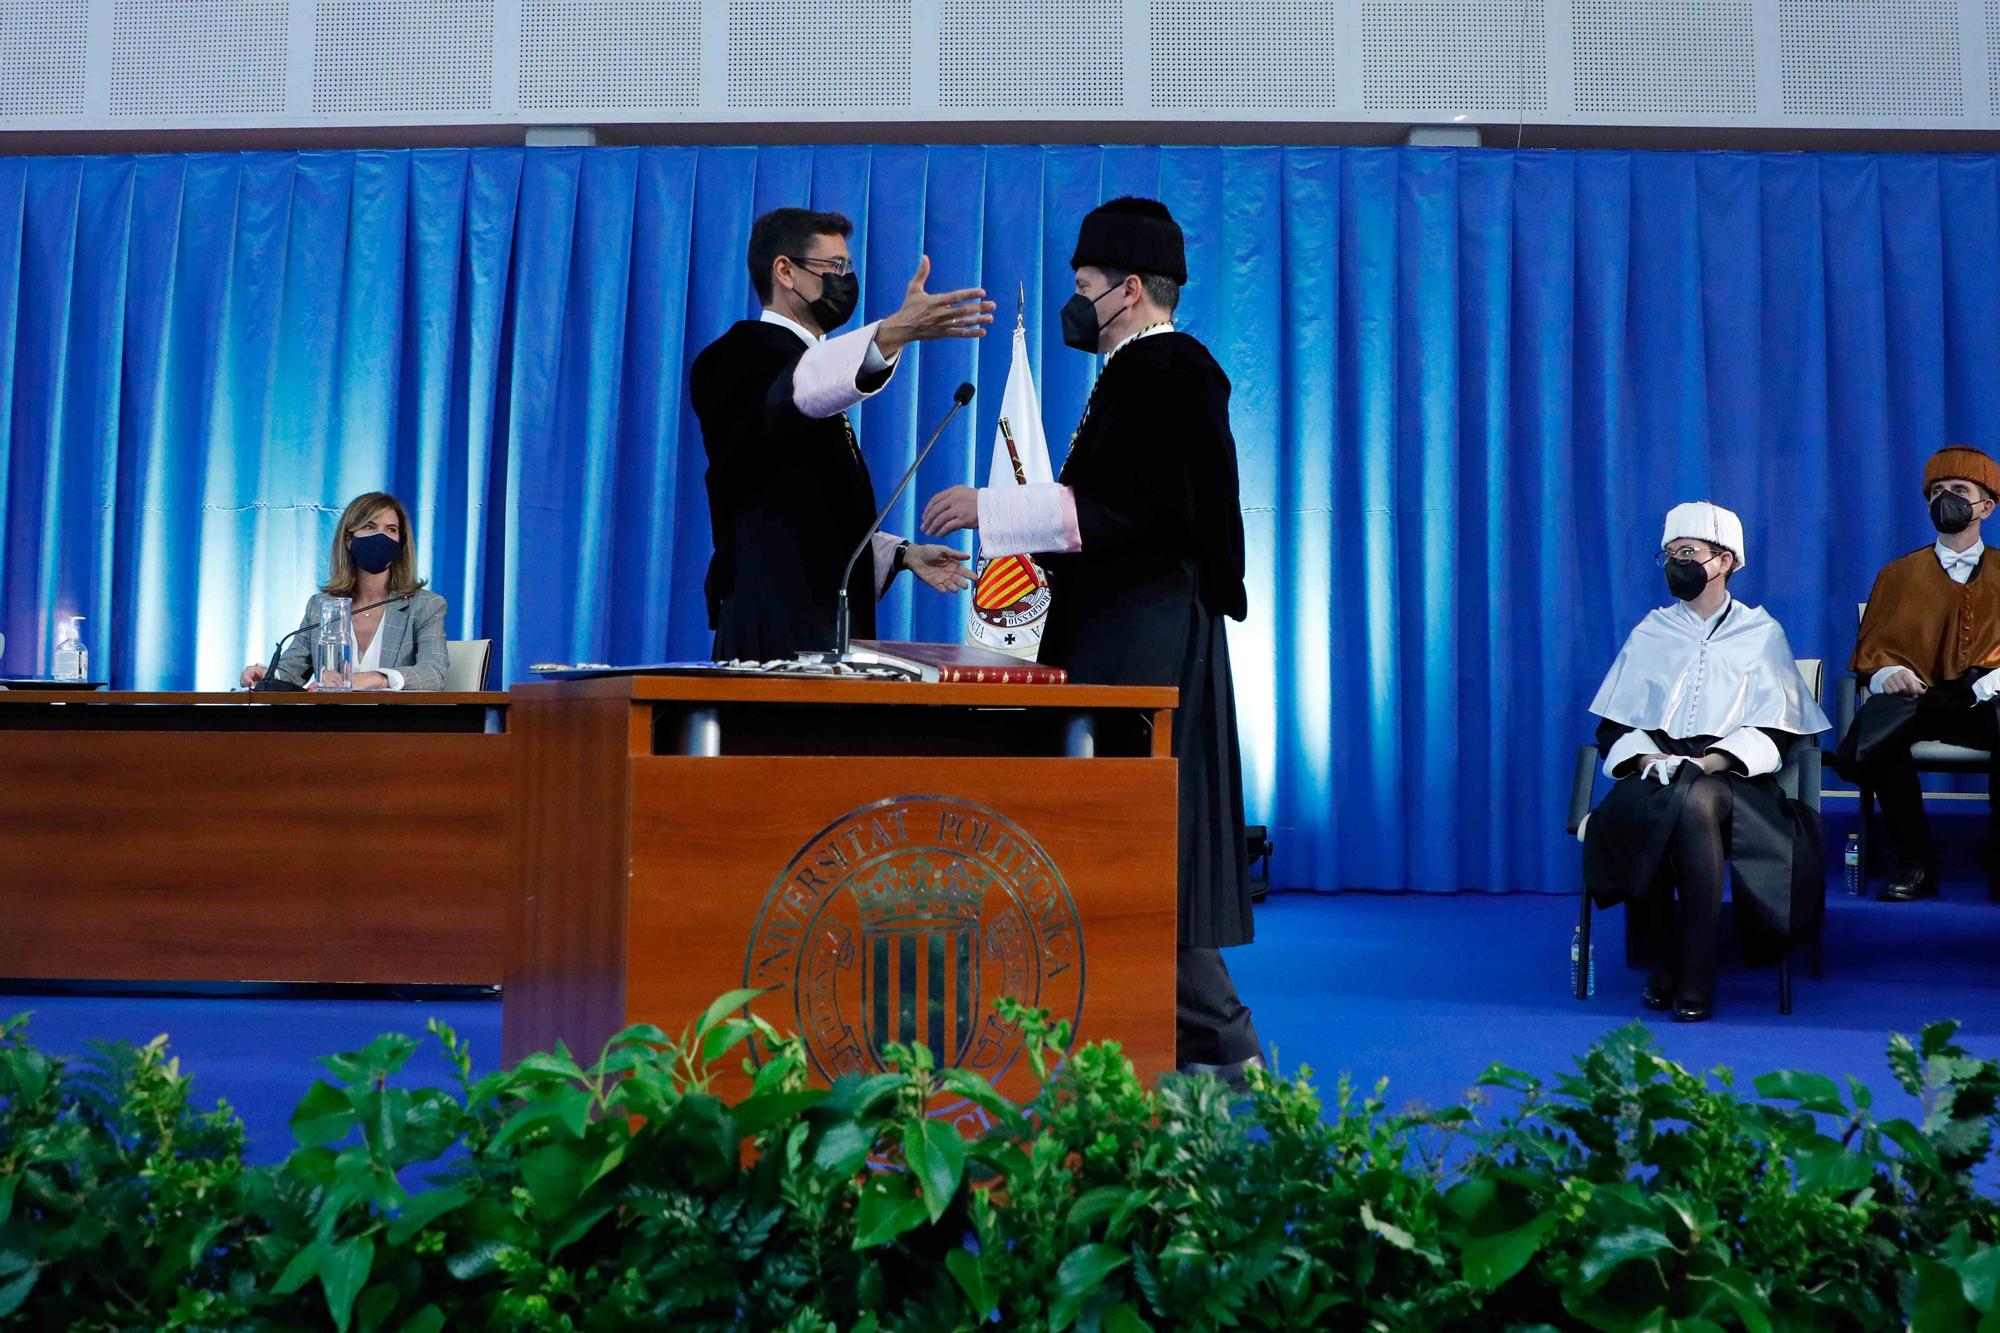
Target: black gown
789 498
1153 471
1773 846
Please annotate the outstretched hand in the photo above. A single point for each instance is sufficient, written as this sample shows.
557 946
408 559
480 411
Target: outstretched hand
950 510
939 566
927 316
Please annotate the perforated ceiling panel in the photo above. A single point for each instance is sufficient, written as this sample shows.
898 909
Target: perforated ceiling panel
1853 59
1454 56
1993 56
1018 54
413 55
1222 55
42 45
855 54
610 53
198 57
1679 57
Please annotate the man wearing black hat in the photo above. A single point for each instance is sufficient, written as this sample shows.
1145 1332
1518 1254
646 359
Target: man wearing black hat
1142 538
789 497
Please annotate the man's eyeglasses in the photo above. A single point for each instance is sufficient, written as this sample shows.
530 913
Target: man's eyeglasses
1693 555
839 265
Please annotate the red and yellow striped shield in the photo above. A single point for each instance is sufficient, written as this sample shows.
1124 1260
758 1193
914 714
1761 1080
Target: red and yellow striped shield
1006 581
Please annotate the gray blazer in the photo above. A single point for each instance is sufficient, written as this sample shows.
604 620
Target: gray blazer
413 642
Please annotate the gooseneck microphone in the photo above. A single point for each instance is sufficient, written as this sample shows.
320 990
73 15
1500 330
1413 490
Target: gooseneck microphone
959 398
272 684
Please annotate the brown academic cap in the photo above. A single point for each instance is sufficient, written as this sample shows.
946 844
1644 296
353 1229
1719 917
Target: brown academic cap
1964 463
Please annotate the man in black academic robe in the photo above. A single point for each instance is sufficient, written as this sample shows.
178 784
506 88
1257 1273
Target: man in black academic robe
789 495
1142 538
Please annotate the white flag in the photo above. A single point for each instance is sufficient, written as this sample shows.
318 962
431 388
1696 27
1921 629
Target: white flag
1010 603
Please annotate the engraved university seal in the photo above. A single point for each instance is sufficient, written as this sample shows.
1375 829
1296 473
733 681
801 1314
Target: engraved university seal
904 921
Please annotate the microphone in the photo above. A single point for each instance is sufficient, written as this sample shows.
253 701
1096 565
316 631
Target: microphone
271 684
959 398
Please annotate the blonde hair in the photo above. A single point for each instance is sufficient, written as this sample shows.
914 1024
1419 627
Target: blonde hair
344 578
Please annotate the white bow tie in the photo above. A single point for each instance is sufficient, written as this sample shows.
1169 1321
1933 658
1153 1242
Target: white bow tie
1961 558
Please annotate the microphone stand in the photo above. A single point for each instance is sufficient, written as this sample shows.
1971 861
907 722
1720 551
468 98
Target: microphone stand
959 398
272 684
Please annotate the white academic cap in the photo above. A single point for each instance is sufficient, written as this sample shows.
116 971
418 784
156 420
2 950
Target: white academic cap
1706 522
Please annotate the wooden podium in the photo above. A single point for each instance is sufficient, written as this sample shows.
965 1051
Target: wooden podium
887 859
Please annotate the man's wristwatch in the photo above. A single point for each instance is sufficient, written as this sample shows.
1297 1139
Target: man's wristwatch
901 559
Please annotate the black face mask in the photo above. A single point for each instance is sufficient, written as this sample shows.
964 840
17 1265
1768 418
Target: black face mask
1078 316
1950 512
839 293
374 553
1686 579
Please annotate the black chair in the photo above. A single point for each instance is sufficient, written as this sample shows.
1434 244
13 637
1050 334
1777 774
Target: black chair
1800 780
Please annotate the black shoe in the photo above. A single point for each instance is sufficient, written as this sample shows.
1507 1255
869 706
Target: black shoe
1693 1011
1659 1001
1909 886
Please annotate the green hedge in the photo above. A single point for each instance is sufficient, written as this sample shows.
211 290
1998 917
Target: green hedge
1627 1194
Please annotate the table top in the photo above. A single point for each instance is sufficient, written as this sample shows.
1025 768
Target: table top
823 690
247 699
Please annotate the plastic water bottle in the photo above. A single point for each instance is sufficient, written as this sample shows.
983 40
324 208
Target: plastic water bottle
1576 961
72 658
333 644
1854 865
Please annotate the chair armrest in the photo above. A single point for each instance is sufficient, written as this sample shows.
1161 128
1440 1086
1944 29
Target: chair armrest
1580 787
1809 759
1849 701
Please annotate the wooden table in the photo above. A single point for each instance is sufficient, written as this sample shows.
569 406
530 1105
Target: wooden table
885 859
255 837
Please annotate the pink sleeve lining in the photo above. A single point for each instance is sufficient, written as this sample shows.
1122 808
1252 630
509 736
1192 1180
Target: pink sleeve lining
1021 520
823 384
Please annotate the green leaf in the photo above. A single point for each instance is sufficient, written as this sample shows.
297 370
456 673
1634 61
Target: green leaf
1095 1206
1827 1168
430 1319
842 1150
1813 1092
8 1184
554 1175
1737 1292
724 1005
975 1089
1979 1276
1491 1261
935 1153
1911 1140
1940 1305
425 1209
1617 1247
754 1115
1078 1278
303 1268
889 1207
14 1291
1122 1318
1388 1231
343 1271
964 1266
324 1115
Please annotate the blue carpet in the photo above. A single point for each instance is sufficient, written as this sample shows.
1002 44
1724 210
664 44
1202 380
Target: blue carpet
1424 989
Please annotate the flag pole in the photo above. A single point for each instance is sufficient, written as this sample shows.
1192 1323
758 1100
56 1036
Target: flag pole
1021 310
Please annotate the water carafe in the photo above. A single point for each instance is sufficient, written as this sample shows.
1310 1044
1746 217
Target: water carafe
333 644
72 658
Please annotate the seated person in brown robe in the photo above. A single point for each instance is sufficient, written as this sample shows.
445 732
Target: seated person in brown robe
1696 717
1930 640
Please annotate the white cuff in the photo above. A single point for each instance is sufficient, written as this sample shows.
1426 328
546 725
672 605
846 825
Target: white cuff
874 363
1627 748
1986 686
1879 682
1751 748
1025 520
883 547
823 383
395 677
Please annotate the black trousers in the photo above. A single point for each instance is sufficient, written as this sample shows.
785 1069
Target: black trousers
1212 1023
1889 770
1683 906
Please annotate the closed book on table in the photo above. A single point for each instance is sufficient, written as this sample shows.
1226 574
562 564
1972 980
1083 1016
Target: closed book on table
955 663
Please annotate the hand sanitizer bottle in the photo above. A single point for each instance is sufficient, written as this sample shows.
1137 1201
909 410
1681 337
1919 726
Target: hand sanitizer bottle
72 658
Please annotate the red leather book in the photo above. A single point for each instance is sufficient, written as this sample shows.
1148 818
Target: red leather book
957 663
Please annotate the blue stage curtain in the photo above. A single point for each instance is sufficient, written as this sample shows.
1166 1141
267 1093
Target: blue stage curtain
1468 384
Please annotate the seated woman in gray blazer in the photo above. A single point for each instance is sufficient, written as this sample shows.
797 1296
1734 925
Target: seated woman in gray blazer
401 645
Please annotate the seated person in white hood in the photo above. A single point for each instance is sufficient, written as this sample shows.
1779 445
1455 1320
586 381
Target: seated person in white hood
1697 715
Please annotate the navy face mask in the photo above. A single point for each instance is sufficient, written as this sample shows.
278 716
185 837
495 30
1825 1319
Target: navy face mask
374 553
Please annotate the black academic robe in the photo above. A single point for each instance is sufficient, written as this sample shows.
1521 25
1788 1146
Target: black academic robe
1776 866
789 498
1153 471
